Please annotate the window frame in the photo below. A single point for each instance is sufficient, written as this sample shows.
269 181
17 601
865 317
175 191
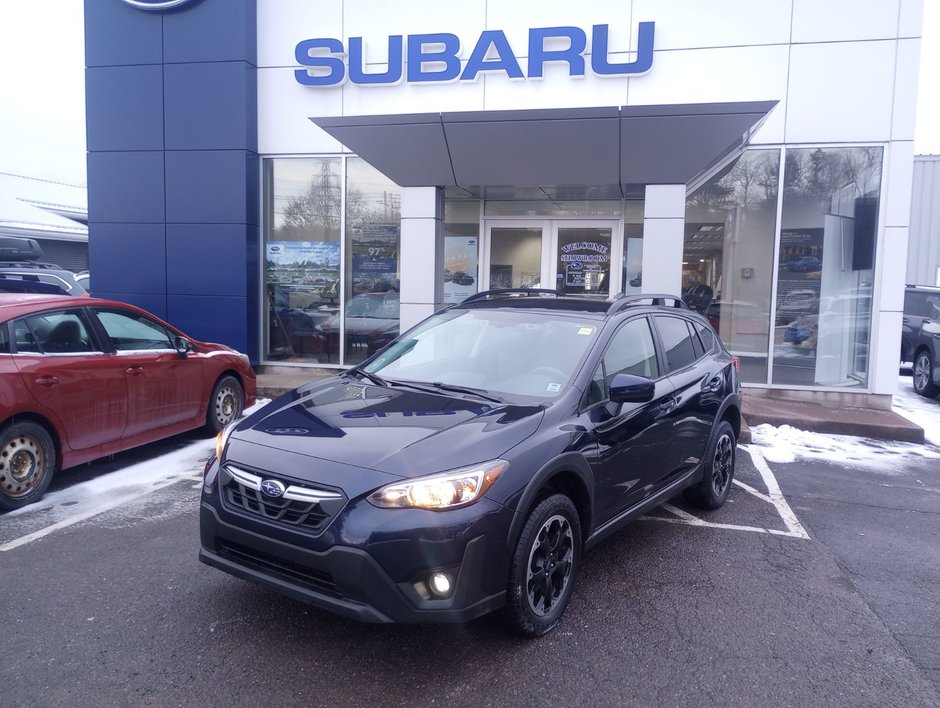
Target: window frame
598 362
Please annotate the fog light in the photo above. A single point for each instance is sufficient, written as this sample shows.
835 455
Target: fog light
439 584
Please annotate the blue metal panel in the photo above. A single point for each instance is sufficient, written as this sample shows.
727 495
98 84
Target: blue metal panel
207 187
152 303
124 108
127 258
117 35
206 259
211 106
212 30
126 187
211 318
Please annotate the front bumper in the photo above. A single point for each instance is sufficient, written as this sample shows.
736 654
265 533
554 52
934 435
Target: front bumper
377 582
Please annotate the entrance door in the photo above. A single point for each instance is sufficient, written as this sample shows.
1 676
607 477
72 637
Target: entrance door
568 255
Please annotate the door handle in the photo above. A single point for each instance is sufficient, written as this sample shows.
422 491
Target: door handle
134 370
47 380
714 384
667 406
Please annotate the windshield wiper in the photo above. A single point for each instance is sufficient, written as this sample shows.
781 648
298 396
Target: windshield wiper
377 380
437 387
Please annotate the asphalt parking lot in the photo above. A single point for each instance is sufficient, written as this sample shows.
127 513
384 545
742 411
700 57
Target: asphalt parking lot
817 584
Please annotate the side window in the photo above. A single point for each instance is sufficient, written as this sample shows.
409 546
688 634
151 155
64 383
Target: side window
4 339
130 331
54 333
707 336
677 342
630 351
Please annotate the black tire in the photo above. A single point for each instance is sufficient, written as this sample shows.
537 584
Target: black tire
225 404
543 567
27 463
718 470
923 375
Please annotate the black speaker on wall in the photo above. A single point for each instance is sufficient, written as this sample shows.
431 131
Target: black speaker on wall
866 225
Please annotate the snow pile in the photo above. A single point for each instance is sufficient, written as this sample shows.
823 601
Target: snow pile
924 412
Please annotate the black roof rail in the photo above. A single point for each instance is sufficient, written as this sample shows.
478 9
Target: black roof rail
621 301
512 292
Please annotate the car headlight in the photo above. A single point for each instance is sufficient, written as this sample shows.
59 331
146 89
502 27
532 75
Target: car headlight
447 490
222 438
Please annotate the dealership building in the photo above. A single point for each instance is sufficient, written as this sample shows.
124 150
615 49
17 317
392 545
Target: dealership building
302 179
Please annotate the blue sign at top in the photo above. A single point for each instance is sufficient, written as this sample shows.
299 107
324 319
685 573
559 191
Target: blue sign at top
156 4
436 57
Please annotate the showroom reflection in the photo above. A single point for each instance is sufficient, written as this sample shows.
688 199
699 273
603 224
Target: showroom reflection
817 328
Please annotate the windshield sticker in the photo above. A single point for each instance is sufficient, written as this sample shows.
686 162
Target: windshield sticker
554 387
585 331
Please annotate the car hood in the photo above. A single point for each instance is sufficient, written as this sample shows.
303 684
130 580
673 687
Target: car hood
394 430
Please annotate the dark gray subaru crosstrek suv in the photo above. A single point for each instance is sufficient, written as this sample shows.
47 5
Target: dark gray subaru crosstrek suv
465 467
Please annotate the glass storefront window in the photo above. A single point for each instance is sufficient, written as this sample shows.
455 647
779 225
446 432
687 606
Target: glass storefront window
727 260
825 266
461 249
632 276
373 237
303 204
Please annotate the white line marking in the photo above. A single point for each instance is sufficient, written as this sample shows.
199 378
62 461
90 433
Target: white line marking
72 520
750 490
776 496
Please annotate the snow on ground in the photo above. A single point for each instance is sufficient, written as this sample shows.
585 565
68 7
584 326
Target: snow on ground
789 444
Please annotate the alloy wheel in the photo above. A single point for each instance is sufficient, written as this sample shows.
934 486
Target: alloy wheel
722 464
549 569
921 372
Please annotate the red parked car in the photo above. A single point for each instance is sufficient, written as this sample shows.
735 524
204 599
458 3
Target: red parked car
84 378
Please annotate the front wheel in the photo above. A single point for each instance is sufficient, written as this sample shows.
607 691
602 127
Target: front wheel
544 566
225 404
27 463
923 375
712 491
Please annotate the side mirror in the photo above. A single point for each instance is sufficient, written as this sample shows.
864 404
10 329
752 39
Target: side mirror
627 388
183 347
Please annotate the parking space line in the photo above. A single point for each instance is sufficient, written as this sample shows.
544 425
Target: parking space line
100 509
774 497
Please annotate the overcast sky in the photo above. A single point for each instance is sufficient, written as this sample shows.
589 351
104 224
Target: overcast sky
42 109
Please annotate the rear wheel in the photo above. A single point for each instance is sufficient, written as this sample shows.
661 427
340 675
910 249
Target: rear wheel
923 375
544 566
712 491
27 463
225 404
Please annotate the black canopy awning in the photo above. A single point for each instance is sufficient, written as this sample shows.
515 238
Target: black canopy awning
625 146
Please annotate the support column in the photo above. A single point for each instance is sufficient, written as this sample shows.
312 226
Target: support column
422 246
663 238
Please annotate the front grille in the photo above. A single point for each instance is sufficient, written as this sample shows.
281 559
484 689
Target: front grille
318 580
302 507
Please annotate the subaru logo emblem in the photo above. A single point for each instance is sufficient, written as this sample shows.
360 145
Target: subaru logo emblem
273 488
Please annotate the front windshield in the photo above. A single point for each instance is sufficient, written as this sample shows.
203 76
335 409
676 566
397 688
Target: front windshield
499 351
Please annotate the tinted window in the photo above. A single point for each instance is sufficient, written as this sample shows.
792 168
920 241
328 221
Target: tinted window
677 342
631 351
130 331
4 339
922 304
707 336
53 333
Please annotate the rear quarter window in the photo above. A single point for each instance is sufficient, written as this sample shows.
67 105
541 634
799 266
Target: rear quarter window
677 342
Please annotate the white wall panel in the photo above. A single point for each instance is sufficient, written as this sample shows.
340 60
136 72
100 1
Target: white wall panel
411 98
555 90
284 23
893 260
717 76
681 24
284 107
419 257
516 17
911 19
841 20
840 92
375 20
905 89
899 176
886 338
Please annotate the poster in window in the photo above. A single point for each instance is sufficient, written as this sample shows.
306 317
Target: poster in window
375 257
460 268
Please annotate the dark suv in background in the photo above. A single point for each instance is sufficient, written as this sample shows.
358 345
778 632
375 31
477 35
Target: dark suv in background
466 466
920 337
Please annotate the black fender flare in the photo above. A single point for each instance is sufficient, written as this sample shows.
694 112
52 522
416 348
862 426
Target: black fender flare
572 462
